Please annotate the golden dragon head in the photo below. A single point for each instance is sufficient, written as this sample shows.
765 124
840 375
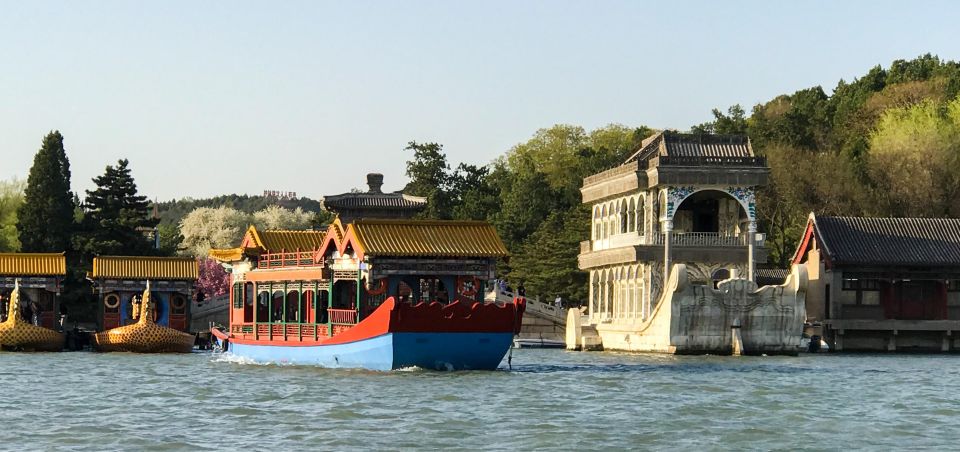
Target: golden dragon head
13 310
146 306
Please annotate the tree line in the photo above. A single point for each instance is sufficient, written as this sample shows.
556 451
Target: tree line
885 144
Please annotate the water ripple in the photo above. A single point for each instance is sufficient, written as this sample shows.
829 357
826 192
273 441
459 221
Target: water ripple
548 399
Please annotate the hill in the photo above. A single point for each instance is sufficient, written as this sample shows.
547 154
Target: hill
171 212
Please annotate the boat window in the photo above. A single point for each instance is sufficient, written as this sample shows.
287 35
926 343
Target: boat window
111 303
178 304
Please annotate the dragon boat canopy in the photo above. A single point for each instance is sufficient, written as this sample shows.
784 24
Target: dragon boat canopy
118 279
40 276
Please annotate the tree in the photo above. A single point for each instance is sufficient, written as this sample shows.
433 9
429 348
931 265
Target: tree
170 239
115 216
212 279
732 123
45 219
205 228
915 159
428 173
11 198
547 261
473 197
276 217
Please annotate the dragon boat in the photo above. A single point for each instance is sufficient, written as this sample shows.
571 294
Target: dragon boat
144 336
18 334
378 294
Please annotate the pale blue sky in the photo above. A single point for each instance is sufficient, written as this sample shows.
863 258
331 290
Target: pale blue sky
210 98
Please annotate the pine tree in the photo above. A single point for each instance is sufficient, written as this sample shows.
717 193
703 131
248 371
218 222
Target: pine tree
116 216
45 221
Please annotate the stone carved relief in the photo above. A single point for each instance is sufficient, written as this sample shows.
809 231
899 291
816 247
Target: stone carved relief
770 318
748 197
702 272
675 196
656 282
745 195
735 296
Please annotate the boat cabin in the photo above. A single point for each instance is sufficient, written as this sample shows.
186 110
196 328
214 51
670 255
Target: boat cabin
119 282
40 276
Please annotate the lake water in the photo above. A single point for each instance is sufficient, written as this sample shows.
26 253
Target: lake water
551 399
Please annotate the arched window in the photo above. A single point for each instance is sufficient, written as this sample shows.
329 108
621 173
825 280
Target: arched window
276 305
623 217
641 209
611 218
603 222
596 222
632 216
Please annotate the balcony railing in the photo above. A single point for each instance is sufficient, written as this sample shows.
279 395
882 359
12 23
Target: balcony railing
664 160
702 239
626 168
279 260
342 316
281 331
680 239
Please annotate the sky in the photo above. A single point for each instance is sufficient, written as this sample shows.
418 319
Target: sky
217 97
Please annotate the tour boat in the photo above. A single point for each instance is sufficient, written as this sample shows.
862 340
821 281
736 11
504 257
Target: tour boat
458 336
374 294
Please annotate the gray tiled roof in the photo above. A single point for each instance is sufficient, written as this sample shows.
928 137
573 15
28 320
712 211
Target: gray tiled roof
889 241
374 201
771 276
672 144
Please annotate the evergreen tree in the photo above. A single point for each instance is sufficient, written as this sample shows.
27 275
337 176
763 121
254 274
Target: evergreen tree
116 216
45 219
429 177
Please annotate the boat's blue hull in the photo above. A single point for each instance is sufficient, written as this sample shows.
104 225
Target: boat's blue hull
442 351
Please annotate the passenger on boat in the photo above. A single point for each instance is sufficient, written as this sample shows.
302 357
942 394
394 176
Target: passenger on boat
63 316
3 308
26 313
35 311
278 313
135 306
442 296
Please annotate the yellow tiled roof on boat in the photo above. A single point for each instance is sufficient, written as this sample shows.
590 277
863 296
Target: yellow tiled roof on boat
227 254
428 238
29 264
144 267
276 241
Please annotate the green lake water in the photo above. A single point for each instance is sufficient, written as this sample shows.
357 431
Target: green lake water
550 400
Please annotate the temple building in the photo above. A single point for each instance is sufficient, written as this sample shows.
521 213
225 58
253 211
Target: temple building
374 203
682 203
883 283
119 281
40 276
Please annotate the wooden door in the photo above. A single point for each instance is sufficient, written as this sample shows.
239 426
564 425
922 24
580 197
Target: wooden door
921 300
178 312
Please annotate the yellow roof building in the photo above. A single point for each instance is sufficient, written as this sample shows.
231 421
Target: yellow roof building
33 264
145 267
